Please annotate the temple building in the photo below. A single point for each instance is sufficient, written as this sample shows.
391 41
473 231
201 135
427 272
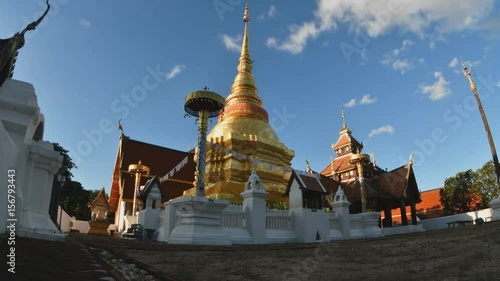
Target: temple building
342 168
383 191
244 128
154 160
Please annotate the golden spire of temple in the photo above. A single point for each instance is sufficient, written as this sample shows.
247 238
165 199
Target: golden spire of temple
243 88
344 125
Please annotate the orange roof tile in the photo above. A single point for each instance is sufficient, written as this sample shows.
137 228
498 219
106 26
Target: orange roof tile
160 160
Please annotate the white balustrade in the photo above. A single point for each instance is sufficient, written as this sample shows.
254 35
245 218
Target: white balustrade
279 219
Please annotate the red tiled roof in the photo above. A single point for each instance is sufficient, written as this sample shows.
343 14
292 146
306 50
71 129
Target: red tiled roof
339 164
311 182
395 182
346 138
389 185
160 160
306 182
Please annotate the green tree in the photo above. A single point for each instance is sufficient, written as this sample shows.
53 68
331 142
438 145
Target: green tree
73 198
461 194
487 183
68 164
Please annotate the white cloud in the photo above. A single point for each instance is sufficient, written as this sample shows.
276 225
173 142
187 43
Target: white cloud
392 58
402 65
366 99
421 60
351 103
231 43
378 17
297 40
432 45
453 63
84 23
439 89
387 129
269 14
405 45
176 70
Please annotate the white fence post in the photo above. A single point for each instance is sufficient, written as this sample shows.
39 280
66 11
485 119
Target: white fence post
340 206
254 205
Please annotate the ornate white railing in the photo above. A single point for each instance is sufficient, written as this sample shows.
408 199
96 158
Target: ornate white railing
356 221
333 221
233 216
279 220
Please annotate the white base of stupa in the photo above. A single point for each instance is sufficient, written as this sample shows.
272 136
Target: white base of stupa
199 222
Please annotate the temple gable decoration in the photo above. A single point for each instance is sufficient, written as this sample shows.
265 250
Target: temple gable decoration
9 48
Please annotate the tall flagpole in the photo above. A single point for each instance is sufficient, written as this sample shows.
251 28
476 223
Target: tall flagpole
467 74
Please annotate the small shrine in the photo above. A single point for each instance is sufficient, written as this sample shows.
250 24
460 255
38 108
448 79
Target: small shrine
99 209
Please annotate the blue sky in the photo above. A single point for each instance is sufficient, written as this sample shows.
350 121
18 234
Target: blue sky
392 66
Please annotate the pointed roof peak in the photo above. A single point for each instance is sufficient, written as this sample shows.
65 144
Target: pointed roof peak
344 125
244 90
246 15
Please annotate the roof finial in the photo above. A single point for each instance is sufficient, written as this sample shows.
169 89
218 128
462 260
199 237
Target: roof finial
343 118
120 126
373 159
344 124
309 170
9 48
410 161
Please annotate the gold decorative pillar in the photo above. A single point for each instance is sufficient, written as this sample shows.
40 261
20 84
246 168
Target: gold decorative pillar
139 170
203 104
358 160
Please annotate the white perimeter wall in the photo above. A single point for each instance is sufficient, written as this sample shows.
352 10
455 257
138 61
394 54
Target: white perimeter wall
441 223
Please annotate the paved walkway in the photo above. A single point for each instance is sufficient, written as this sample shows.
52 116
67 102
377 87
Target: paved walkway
52 261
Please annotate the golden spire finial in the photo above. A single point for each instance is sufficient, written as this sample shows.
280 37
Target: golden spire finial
243 88
343 118
344 124
373 159
245 52
246 16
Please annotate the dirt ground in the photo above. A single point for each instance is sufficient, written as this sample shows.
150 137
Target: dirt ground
462 253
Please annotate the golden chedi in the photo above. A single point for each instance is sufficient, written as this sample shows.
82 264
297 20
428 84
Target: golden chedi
244 128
